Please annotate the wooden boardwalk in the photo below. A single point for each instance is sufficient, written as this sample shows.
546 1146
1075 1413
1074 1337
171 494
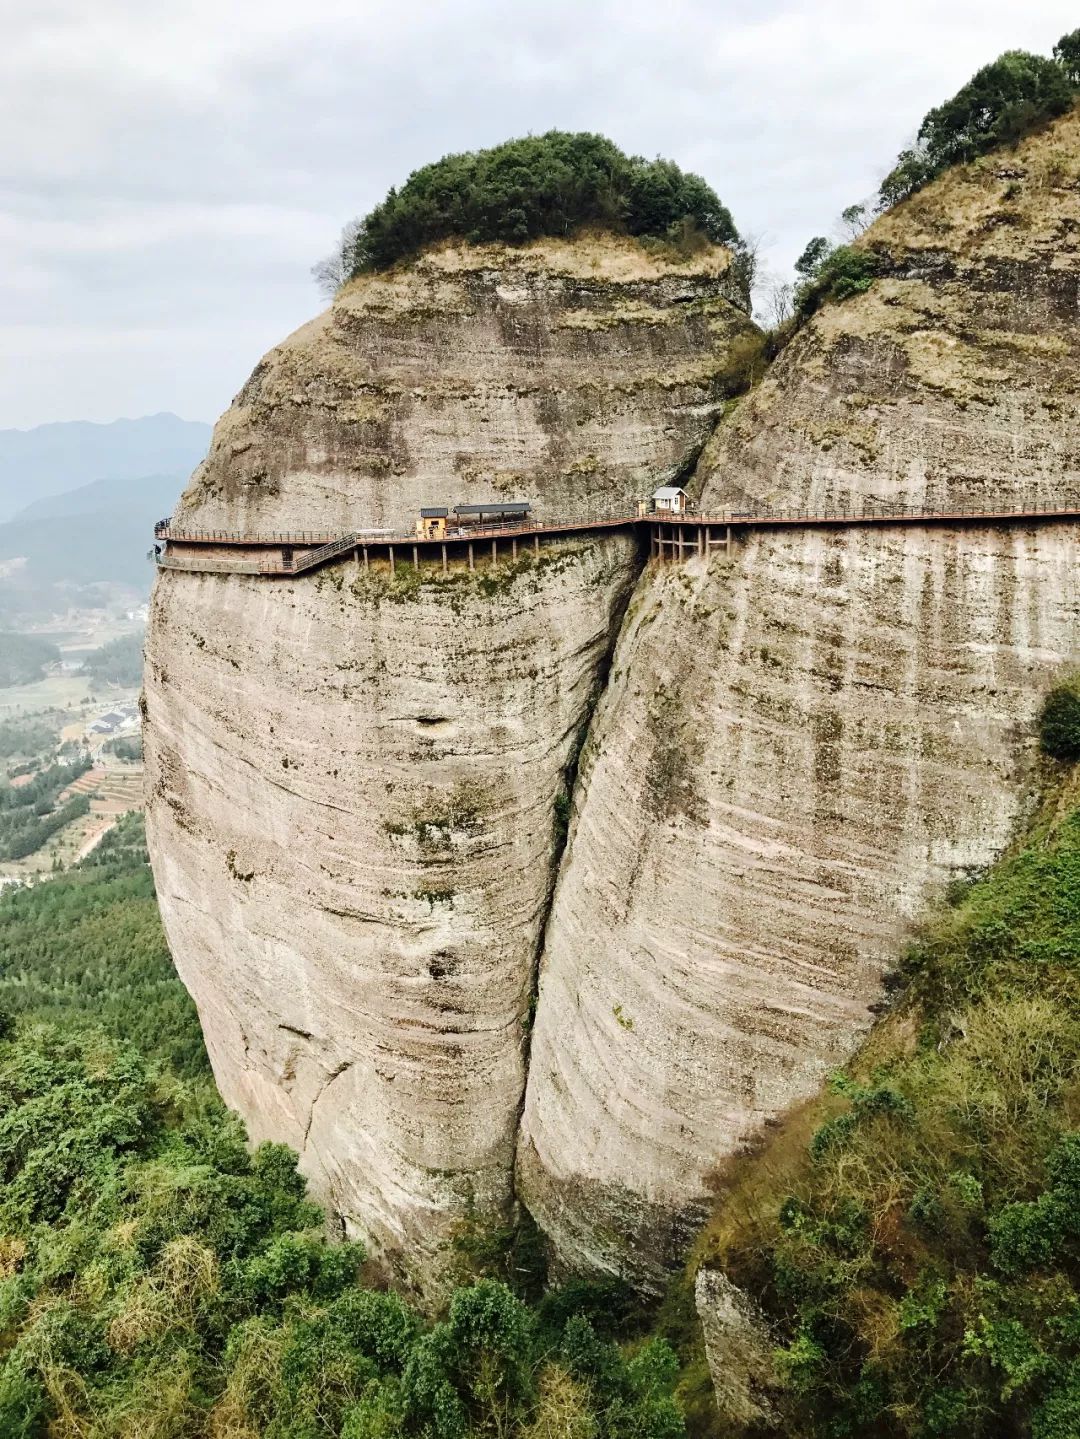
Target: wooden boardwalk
671 536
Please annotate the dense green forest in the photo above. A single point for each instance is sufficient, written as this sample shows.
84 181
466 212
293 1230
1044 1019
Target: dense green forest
23 658
549 184
920 1257
28 738
159 1279
117 663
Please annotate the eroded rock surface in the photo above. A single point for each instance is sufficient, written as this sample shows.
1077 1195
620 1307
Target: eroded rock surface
800 745
575 375
352 821
357 782
741 1353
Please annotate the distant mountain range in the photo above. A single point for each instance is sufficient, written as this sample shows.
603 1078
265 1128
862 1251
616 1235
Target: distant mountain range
68 551
77 506
54 459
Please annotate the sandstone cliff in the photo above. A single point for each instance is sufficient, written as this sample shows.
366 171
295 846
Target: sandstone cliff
571 374
800 745
357 782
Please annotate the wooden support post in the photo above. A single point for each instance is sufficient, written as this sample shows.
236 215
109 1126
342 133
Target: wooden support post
701 539
708 540
513 548
494 552
367 560
415 558
536 544
727 540
391 549
444 559
472 563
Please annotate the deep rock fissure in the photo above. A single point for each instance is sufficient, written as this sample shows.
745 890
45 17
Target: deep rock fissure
564 811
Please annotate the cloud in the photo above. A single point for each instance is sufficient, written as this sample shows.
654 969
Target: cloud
168 174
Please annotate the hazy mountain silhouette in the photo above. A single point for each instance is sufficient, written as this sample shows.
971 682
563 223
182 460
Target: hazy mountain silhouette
51 459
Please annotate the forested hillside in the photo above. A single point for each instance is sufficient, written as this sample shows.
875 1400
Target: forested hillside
157 1278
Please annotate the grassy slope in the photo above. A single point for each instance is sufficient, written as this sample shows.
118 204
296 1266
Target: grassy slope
915 1234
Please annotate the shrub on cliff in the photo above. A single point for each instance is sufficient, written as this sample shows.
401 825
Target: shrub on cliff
1059 722
832 272
1000 104
549 184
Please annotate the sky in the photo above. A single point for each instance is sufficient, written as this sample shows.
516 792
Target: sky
170 170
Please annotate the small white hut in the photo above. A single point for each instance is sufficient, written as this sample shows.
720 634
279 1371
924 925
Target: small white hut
670 499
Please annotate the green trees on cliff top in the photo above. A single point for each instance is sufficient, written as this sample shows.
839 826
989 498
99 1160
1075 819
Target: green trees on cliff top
999 105
550 184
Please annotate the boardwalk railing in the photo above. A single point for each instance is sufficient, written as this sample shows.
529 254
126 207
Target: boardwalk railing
315 548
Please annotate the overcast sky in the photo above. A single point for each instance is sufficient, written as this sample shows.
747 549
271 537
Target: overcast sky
171 169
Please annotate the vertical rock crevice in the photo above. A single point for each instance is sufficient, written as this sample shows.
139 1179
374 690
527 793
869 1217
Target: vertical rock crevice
567 793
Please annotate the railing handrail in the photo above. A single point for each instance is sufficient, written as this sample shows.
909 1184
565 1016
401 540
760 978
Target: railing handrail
764 515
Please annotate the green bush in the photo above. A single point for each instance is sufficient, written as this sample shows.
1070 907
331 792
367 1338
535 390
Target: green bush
833 272
550 184
1059 722
999 105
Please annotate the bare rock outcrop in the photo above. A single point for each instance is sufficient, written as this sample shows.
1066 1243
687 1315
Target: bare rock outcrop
573 374
357 780
741 1355
799 746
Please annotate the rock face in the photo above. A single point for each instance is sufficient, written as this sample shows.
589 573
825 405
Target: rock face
741 1355
357 782
801 744
571 374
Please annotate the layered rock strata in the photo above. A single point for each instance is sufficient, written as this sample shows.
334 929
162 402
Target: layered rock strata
353 819
575 375
358 780
802 743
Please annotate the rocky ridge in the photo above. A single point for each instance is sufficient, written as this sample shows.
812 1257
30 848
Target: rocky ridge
360 784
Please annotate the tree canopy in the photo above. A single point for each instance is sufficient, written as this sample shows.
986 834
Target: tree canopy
1000 104
549 184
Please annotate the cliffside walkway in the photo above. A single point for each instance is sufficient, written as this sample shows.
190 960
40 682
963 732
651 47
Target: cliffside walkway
671 536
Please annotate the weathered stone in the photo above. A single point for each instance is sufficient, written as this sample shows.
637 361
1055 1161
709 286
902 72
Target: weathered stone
799 747
356 781
574 375
740 1351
